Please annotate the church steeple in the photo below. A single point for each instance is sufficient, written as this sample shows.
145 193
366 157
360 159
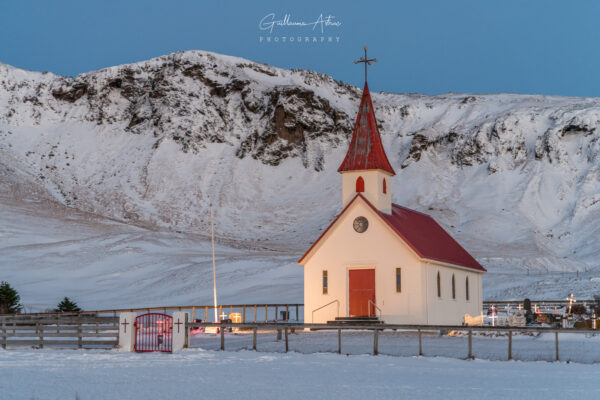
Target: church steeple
366 168
366 150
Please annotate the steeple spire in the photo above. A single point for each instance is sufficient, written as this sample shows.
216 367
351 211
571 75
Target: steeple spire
366 150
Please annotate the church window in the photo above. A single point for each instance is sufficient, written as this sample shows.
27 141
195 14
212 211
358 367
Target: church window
384 186
398 280
325 283
360 185
439 285
467 286
453 287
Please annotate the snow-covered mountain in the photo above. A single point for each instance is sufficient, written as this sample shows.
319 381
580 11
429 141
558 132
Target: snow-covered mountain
514 177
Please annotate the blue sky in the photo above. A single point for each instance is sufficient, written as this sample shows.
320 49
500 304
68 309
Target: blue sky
485 46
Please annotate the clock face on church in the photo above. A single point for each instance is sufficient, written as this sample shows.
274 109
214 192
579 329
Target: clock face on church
360 224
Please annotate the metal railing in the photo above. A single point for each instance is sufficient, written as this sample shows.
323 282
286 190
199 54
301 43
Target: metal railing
377 307
328 304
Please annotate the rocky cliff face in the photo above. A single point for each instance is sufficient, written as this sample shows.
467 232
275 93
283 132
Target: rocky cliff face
155 142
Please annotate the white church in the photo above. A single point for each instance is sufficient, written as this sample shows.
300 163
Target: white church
381 261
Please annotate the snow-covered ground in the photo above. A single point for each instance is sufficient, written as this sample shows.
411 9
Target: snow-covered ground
48 251
194 373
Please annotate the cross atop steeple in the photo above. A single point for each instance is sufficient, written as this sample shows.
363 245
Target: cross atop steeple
366 61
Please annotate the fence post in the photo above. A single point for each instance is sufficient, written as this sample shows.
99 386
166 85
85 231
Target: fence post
79 336
186 343
339 341
254 338
244 314
375 342
206 314
194 312
286 340
510 345
222 338
41 333
420 347
470 356
287 312
276 312
3 333
266 314
255 313
556 341
297 313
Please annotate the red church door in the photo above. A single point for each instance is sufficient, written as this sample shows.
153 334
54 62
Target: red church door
361 290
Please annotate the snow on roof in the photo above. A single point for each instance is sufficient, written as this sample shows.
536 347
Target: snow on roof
366 150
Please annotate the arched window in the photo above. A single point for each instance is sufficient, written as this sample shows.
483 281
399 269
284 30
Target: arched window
453 287
467 286
360 185
384 186
439 285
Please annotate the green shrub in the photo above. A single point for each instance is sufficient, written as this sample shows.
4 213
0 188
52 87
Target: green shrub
9 299
67 305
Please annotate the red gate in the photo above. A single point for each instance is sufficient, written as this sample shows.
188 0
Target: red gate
154 332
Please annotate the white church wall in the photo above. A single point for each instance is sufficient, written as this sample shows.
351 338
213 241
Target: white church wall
373 188
445 310
378 247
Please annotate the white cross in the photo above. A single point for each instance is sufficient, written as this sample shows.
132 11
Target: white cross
493 314
223 316
571 301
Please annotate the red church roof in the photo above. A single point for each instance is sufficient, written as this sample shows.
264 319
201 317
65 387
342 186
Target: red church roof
421 232
427 238
366 150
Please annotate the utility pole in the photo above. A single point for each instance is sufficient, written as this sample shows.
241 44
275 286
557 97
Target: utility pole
212 238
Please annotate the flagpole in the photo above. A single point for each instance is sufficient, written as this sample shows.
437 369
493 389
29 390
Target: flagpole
212 237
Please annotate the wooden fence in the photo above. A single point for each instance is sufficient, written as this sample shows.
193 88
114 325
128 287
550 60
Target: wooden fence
249 312
271 312
284 329
68 331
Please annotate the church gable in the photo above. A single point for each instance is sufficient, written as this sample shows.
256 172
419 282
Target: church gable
353 225
419 232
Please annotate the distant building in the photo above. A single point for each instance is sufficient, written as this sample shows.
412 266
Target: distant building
381 260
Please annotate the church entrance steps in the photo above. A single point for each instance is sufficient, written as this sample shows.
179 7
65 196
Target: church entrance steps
355 321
